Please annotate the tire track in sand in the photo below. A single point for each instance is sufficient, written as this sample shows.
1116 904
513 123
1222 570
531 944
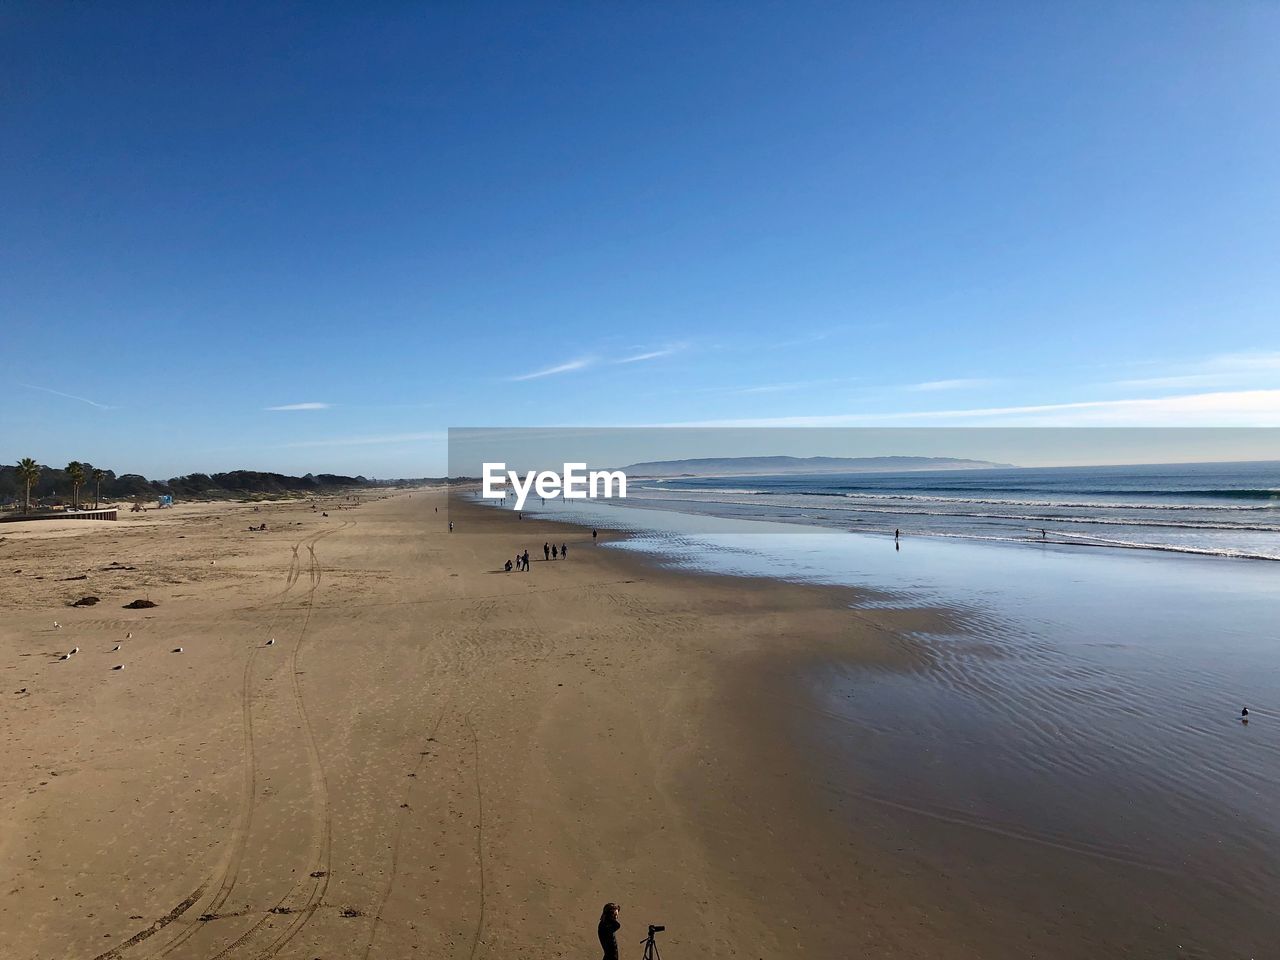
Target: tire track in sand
321 871
231 871
324 858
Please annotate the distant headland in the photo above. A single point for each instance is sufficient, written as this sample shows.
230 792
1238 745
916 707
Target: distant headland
768 466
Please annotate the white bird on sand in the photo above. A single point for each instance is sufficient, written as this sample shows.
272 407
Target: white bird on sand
75 650
115 648
57 625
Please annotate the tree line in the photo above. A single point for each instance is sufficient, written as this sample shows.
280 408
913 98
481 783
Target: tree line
29 482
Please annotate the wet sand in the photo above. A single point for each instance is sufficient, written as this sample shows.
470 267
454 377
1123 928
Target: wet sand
438 758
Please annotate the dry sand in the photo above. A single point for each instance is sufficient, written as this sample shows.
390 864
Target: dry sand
437 758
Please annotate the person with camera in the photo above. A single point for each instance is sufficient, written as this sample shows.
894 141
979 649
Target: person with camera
608 930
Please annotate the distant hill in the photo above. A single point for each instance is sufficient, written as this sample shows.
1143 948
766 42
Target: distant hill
767 466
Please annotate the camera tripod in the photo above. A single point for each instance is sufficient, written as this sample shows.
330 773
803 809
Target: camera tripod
651 945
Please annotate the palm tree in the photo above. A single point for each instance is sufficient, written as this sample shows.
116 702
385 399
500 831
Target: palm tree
75 473
98 476
29 474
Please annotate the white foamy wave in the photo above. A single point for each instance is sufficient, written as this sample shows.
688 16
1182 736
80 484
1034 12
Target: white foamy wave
1061 504
781 500
1086 540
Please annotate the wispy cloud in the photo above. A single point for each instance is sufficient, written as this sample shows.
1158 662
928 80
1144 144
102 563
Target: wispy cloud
789 386
312 405
1241 369
962 383
367 441
653 354
1176 382
567 367
69 396
800 341
1239 408
1260 360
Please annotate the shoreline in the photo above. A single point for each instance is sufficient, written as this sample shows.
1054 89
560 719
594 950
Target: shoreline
1165 892
439 756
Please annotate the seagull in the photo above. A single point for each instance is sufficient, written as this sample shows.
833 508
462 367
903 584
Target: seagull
115 648
271 641
57 625
74 650
128 636
65 656
177 649
119 666
1244 714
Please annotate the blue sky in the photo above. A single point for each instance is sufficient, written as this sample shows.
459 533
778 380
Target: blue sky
297 238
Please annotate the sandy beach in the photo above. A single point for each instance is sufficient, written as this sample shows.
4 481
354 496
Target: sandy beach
439 758
434 756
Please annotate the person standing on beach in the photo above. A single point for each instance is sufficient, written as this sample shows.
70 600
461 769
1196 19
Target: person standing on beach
451 526
594 534
564 551
607 930
546 551
526 561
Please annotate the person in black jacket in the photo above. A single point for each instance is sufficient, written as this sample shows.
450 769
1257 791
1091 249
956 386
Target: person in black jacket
608 930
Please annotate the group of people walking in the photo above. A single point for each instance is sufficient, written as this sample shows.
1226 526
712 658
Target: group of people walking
549 551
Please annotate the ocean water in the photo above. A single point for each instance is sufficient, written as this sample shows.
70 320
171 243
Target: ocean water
1086 709
1214 509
